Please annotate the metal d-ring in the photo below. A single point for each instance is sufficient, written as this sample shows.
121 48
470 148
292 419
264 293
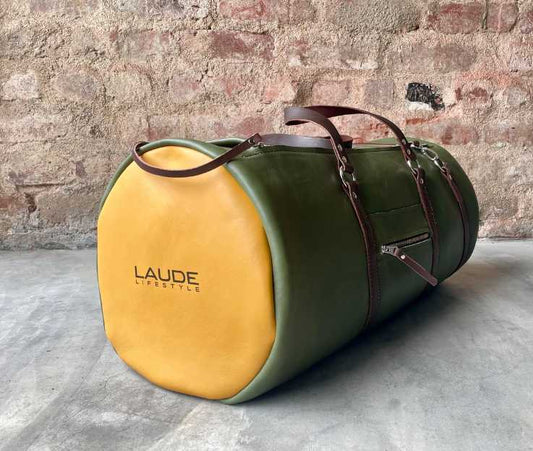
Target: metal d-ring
347 176
414 169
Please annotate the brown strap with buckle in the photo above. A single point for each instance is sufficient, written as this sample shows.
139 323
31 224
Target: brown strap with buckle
299 115
409 155
447 174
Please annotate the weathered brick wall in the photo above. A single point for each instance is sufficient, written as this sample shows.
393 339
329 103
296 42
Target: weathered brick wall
81 80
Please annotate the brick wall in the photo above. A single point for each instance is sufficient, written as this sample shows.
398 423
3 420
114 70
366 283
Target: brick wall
81 80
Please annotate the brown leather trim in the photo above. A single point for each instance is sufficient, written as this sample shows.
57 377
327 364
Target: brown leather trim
408 154
446 172
429 213
369 241
299 115
209 166
414 266
334 111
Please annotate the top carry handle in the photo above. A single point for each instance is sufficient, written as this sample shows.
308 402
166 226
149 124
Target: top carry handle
269 139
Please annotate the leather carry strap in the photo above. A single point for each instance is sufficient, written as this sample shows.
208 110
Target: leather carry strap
297 115
269 139
300 115
206 167
447 174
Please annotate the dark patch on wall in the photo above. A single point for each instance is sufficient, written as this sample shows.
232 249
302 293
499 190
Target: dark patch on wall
429 94
80 169
30 202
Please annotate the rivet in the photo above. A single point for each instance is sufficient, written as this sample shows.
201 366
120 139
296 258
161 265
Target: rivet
402 257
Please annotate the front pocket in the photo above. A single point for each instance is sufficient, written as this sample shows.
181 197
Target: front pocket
396 249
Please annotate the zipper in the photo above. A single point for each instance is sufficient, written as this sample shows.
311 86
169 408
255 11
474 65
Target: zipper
395 249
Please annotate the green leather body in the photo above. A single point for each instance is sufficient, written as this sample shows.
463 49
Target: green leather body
318 258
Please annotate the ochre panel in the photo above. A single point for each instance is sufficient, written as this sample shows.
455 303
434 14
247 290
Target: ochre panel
185 277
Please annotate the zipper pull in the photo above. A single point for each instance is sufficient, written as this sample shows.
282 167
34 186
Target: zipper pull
411 263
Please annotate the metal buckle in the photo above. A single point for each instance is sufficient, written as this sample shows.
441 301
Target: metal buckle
415 168
430 154
347 176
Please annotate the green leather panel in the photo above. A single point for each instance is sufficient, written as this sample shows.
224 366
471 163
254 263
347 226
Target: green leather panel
318 258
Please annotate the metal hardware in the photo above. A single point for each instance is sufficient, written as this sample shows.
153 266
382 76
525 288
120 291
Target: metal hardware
408 241
415 168
346 176
430 154
396 250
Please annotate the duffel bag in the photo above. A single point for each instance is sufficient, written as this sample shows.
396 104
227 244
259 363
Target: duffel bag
227 267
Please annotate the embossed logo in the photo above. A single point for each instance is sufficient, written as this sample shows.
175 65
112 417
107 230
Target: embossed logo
174 279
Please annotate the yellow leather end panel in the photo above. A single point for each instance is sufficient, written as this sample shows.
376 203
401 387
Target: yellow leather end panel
209 329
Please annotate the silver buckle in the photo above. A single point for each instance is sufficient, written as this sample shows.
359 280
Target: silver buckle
346 176
430 154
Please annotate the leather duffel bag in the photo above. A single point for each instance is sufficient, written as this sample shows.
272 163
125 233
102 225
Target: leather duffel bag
227 267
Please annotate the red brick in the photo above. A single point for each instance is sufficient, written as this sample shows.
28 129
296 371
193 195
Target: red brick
78 86
16 43
185 87
329 92
144 44
10 202
23 86
456 17
182 9
71 7
58 205
525 24
241 46
38 163
446 131
194 9
233 123
34 127
280 90
163 126
254 9
359 53
127 86
128 127
519 54
367 16
228 85
477 94
362 128
516 133
301 11
452 57
501 17
515 96
243 127
379 93
421 57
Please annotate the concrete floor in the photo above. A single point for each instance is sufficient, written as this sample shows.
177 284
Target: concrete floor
454 371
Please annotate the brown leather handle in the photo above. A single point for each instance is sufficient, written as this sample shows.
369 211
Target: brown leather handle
299 115
270 139
206 167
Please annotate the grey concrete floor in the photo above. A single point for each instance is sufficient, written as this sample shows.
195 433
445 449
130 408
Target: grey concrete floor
453 371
